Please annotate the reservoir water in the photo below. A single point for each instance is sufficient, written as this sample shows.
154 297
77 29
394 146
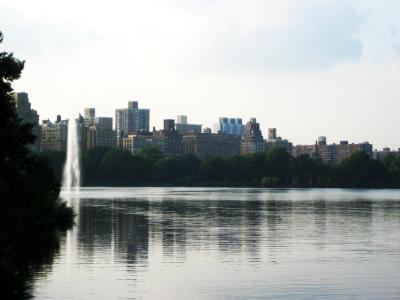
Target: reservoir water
222 243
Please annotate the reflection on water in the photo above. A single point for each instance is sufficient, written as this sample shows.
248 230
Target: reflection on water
160 243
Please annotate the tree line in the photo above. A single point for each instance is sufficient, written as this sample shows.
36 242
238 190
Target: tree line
276 168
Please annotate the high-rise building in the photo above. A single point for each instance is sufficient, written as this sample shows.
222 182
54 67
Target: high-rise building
96 131
168 140
344 149
253 140
99 137
133 104
140 140
208 144
28 115
322 140
331 152
272 133
183 127
90 119
230 126
277 141
121 123
299 150
382 155
54 135
89 113
181 119
131 119
169 125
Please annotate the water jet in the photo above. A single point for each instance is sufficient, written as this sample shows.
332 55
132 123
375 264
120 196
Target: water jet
72 172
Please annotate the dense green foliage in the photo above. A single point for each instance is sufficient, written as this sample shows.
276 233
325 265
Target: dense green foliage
276 168
30 212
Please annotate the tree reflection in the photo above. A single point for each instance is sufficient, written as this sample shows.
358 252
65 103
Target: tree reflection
252 228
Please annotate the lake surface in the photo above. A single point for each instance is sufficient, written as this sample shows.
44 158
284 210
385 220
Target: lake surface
207 243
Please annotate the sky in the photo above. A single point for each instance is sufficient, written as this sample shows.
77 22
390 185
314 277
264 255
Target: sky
306 67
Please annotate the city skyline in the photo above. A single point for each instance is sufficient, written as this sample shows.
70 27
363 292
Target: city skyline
266 130
230 138
308 67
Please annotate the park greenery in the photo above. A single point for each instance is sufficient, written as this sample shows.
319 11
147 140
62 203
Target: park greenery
276 168
31 213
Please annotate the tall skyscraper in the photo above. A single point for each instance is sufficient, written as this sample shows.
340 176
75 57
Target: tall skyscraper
131 119
169 125
272 133
99 137
24 110
322 140
133 104
232 126
181 119
253 140
28 115
98 130
54 135
90 119
89 113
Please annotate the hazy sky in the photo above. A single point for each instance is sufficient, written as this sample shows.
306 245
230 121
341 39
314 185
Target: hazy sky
306 67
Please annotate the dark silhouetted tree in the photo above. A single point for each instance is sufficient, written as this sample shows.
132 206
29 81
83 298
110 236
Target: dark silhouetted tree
30 211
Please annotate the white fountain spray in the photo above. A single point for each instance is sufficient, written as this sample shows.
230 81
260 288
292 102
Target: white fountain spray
72 171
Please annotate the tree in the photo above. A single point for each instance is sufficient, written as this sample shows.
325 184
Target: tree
117 168
256 167
30 211
392 165
151 154
167 169
277 166
302 170
360 170
56 160
91 163
237 172
213 170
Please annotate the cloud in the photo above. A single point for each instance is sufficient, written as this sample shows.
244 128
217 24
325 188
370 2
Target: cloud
319 36
395 40
39 36
396 47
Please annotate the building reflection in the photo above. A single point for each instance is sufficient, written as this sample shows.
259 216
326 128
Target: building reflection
320 223
255 230
253 223
132 234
